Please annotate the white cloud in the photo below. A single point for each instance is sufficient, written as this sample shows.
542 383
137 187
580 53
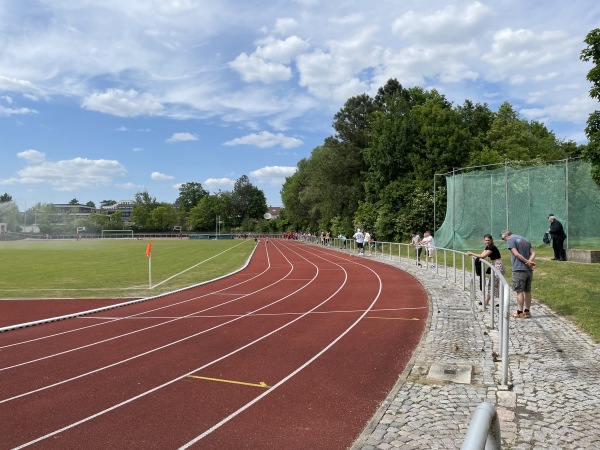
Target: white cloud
123 103
285 24
6 112
525 49
67 175
253 68
335 72
33 156
214 184
574 109
9 84
160 176
182 137
272 175
350 19
264 139
268 62
454 23
285 51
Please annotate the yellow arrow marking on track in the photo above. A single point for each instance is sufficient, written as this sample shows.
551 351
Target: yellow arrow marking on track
392 318
262 384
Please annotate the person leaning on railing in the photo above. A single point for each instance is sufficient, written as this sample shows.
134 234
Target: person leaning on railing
493 253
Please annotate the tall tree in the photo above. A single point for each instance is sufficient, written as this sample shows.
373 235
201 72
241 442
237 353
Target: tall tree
74 202
5 198
243 196
163 217
189 195
205 214
352 122
140 217
9 214
144 199
592 54
296 210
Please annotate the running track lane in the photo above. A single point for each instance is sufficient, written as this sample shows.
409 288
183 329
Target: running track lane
297 351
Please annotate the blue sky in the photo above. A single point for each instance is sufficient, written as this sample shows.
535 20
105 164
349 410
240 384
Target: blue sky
100 100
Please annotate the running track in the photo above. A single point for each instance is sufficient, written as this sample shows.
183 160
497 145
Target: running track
297 351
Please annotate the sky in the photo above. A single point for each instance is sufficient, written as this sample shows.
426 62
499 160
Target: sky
100 100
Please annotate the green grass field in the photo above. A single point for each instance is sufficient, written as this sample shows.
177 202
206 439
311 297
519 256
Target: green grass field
119 269
113 268
570 289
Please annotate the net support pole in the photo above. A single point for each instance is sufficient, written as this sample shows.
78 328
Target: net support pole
567 199
434 202
506 191
453 205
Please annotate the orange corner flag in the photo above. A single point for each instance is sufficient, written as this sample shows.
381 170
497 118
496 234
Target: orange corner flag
149 249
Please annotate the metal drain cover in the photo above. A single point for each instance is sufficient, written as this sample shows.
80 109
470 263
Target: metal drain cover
450 372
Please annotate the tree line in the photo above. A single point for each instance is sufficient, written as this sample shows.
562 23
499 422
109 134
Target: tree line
195 209
377 171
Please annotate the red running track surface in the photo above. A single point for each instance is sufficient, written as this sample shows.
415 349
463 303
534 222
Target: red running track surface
297 352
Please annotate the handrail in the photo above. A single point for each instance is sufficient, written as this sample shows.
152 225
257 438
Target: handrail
409 252
484 429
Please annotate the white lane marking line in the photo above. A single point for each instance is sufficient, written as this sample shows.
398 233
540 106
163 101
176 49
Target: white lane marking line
287 378
157 348
151 310
143 394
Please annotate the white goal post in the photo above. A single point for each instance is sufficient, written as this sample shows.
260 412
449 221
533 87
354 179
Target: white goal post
117 234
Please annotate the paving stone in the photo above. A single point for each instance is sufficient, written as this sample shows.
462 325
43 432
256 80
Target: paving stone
554 372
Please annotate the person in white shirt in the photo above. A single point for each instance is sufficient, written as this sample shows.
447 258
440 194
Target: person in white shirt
367 242
429 245
360 239
416 239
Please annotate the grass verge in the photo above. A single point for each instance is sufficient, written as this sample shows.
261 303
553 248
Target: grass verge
113 268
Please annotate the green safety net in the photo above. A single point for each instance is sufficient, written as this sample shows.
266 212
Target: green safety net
520 199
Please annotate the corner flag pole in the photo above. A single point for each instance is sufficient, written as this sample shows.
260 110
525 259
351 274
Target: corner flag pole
149 255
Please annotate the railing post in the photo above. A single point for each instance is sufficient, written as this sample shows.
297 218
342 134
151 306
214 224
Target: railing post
505 319
484 429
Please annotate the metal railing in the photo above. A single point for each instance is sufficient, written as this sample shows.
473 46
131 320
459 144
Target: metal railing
484 429
453 265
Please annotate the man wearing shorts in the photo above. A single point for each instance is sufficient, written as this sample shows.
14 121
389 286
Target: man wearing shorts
360 239
522 255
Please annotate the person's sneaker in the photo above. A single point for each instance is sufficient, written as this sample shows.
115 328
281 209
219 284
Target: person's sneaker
526 314
432 266
518 315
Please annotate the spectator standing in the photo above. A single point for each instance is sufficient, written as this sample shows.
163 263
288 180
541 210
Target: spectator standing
360 240
557 233
522 256
493 253
375 245
368 242
416 240
429 243
342 241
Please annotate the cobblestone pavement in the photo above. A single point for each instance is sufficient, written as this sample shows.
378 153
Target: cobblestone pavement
554 373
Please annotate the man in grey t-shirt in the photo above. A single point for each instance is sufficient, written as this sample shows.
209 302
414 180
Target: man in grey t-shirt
522 255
